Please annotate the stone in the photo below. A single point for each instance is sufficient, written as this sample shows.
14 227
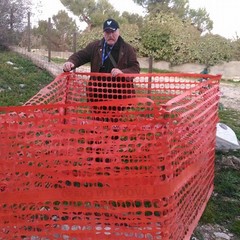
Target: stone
221 236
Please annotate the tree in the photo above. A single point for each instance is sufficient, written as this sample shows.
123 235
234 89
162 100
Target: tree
214 49
95 13
12 18
62 30
91 12
199 18
132 18
236 49
166 37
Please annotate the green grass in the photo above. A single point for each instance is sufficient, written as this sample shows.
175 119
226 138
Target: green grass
58 60
231 118
20 79
155 70
224 206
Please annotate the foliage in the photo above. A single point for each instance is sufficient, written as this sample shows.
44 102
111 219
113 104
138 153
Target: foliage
236 49
91 12
131 34
12 15
81 8
132 18
166 37
88 36
198 18
61 32
16 87
103 10
149 3
171 31
63 29
213 49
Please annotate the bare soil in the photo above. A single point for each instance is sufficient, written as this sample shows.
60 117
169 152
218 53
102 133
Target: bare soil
230 95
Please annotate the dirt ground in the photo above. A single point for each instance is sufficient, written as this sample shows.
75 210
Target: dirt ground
230 95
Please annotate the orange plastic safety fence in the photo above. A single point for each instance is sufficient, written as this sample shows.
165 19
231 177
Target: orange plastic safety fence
95 157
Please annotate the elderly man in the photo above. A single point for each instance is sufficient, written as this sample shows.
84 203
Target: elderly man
111 54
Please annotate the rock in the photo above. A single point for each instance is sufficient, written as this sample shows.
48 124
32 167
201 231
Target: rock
226 138
212 232
221 236
231 161
10 63
236 162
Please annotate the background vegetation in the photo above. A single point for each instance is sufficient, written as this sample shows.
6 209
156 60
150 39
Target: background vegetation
20 78
169 30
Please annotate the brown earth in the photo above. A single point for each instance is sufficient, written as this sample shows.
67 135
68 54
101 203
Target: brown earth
230 95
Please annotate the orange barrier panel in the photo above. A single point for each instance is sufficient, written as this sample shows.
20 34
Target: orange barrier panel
95 157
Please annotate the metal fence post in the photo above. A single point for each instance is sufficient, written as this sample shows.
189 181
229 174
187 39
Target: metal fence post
74 42
150 70
29 33
49 39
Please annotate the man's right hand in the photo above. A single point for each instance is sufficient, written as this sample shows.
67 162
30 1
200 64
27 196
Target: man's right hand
68 66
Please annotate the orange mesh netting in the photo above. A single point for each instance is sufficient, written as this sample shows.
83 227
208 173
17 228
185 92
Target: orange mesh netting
91 157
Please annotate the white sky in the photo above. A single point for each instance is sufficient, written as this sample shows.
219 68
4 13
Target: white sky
224 13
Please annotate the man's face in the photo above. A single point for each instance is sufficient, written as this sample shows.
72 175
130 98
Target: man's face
111 36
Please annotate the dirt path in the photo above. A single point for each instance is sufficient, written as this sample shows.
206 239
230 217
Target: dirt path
230 95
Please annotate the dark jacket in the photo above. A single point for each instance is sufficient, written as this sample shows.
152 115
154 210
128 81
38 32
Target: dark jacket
102 88
126 59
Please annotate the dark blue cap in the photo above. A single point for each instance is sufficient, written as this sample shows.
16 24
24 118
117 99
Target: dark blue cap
110 24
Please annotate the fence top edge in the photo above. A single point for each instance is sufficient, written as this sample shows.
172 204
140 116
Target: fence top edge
190 75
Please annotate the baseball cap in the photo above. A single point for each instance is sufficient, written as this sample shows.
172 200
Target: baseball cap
110 24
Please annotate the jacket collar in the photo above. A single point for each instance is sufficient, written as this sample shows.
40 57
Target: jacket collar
120 44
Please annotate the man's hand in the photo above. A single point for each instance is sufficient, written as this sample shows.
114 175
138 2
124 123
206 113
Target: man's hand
68 66
115 72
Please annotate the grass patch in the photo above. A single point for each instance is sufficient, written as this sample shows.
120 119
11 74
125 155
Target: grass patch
20 79
224 206
229 81
231 118
58 60
155 70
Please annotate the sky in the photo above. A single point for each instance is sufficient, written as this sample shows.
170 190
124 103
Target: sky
224 14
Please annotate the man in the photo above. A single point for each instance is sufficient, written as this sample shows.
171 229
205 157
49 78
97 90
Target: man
109 55
112 55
